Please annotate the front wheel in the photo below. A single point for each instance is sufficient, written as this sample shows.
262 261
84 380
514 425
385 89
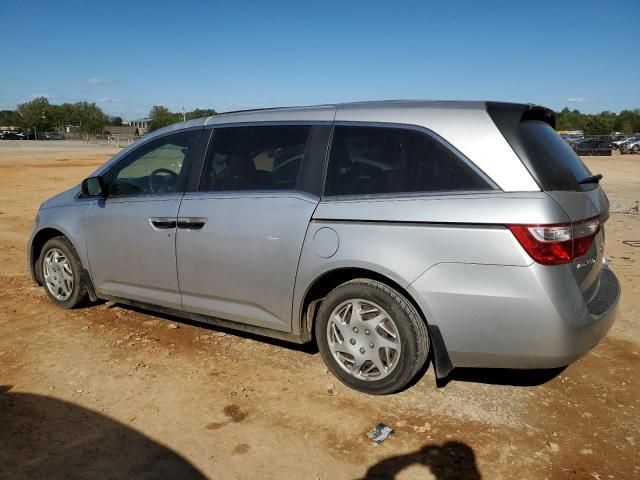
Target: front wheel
371 337
60 268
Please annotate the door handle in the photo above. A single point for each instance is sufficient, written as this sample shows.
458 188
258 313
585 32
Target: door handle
191 223
162 223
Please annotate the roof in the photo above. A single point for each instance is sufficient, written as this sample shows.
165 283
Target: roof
327 112
379 104
372 103
404 111
318 112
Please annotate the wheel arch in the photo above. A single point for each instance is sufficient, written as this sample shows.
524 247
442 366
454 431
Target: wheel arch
38 241
41 237
327 281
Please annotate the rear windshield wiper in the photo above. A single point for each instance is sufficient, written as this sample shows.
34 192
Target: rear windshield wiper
591 179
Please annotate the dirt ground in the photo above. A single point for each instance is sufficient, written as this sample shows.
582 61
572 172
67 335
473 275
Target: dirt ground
111 392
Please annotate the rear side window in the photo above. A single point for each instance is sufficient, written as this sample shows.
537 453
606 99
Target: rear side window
255 158
370 160
556 165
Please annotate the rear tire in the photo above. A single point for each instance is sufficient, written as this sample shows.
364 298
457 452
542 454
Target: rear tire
60 270
371 337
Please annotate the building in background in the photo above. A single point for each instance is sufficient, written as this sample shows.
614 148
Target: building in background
123 131
142 124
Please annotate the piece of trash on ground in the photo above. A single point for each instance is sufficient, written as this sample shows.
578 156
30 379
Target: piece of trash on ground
380 433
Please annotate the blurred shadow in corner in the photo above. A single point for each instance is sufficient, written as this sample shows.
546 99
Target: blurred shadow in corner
451 461
41 437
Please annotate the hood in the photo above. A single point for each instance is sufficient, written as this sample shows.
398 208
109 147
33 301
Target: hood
65 198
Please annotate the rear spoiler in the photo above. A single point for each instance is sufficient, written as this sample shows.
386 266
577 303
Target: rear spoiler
504 113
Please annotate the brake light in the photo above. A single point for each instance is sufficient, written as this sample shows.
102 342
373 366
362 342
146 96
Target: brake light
556 244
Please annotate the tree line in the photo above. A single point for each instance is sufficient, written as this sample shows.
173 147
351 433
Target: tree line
42 116
161 116
603 123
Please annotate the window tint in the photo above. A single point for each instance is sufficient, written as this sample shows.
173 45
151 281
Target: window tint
255 158
367 160
556 164
154 168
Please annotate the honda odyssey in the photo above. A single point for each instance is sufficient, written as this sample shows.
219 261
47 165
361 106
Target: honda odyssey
386 232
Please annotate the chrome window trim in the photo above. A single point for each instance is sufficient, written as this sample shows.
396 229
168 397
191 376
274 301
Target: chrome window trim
379 197
269 123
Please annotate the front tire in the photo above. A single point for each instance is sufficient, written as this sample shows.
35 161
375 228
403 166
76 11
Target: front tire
371 337
60 271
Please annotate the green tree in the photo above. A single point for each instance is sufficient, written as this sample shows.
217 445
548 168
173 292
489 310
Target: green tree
200 112
89 117
161 117
115 121
8 118
598 125
43 116
33 115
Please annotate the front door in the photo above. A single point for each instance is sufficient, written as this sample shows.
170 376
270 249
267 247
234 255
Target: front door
239 237
131 233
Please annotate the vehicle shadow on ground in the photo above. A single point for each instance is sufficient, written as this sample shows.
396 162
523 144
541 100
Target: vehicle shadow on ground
493 376
42 437
449 461
310 347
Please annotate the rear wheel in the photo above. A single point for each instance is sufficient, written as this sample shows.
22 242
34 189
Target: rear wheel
59 268
371 337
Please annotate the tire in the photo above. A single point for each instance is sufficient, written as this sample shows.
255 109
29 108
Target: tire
635 149
64 262
386 330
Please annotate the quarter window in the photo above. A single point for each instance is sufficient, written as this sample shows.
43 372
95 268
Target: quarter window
255 158
155 168
367 160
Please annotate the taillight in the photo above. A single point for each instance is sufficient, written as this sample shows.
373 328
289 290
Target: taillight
556 244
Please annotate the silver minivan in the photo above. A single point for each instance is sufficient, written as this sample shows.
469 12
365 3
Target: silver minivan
388 233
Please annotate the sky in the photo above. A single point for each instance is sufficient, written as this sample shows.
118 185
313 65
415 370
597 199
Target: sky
128 56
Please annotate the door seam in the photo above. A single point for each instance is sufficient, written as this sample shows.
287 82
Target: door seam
175 249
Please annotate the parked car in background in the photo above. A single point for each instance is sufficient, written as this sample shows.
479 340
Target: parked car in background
387 232
52 136
9 135
631 146
28 135
615 144
593 146
571 139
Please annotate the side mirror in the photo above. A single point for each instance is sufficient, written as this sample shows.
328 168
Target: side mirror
94 187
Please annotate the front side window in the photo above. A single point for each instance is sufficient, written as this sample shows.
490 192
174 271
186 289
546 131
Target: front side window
255 158
369 160
154 168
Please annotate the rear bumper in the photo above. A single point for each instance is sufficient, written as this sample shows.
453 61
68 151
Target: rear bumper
515 317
